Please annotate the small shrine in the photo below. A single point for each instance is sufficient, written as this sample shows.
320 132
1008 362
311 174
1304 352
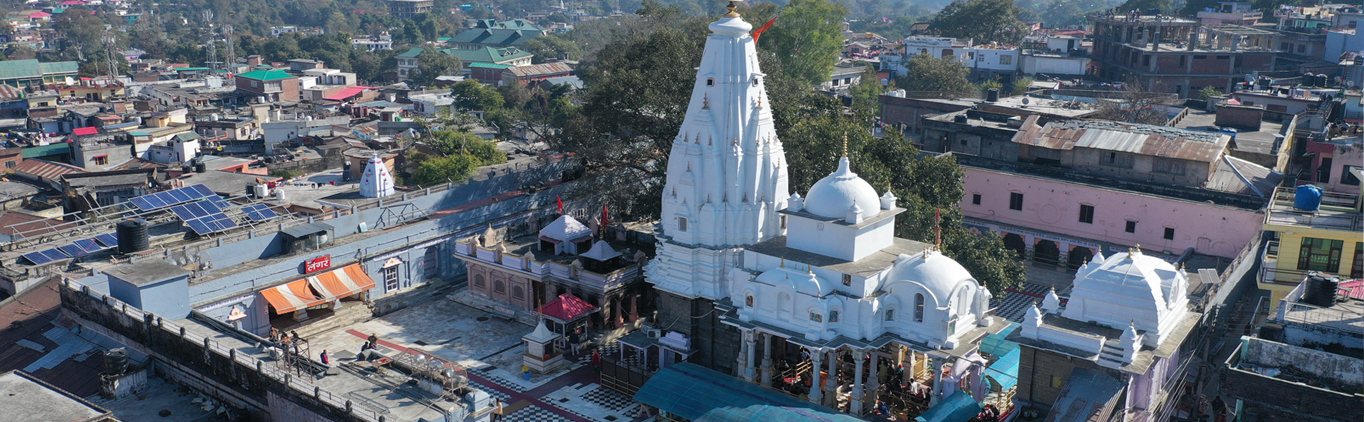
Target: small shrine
542 356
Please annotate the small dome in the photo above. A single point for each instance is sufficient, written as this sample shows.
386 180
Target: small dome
831 196
802 282
938 274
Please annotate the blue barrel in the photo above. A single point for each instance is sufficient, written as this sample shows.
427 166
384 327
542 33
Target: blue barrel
1308 198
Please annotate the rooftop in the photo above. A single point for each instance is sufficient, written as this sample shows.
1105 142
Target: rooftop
1161 141
146 271
864 267
267 75
1338 212
1258 142
29 399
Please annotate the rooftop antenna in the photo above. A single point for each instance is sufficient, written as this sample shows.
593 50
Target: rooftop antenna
937 229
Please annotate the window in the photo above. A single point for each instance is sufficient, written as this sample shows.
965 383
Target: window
816 317
255 83
975 199
710 81
1116 159
1347 175
1146 60
11 164
1057 382
1087 214
1131 226
518 292
391 278
1320 255
1169 233
755 81
970 55
102 160
682 224
1015 201
890 315
1302 48
1223 57
1200 57
947 52
783 222
1183 60
918 307
1168 166
833 316
1006 59
847 279
1324 170
1285 47
478 281
748 300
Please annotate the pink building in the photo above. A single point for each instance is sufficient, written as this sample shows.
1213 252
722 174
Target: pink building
1061 221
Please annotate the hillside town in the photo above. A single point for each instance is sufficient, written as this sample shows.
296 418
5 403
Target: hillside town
417 210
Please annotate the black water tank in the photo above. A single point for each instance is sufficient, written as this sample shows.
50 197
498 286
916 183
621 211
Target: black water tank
1322 80
1320 291
116 361
201 167
250 191
132 236
960 118
992 95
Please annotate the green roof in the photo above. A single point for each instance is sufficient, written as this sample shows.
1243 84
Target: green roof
47 150
489 65
487 54
412 53
59 67
703 395
495 36
266 75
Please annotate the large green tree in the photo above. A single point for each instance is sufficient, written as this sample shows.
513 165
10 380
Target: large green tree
431 64
984 21
807 37
924 73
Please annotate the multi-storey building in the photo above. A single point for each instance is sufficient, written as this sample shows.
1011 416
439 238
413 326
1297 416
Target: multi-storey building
406 9
1175 55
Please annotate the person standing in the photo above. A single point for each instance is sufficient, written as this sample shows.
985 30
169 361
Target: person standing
326 360
596 361
573 339
497 410
374 340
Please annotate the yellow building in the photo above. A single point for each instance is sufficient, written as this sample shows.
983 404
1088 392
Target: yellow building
1329 240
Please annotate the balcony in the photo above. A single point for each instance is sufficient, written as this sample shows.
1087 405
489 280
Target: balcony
1339 212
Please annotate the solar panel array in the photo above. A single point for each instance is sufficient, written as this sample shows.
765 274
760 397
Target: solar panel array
172 197
75 249
259 212
204 217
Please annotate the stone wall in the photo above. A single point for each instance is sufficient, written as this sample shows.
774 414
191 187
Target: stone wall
1281 399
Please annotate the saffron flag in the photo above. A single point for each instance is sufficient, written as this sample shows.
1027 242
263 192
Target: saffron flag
561 203
759 32
605 217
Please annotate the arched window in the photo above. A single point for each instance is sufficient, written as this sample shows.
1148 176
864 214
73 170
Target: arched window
499 286
518 292
919 307
833 316
478 281
748 300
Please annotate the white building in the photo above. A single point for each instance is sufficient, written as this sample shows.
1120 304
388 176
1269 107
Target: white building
740 260
985 62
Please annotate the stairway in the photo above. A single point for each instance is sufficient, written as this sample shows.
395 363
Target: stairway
1112 352
351 313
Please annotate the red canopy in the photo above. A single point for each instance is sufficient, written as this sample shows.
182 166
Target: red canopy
83 131
567 307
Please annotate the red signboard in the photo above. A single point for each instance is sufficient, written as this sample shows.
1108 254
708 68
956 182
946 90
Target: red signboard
317 264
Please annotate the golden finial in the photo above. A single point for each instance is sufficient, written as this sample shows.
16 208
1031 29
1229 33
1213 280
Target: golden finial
705 101
845 144
731 7
783 261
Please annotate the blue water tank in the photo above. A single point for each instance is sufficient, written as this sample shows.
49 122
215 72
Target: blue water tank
1308 198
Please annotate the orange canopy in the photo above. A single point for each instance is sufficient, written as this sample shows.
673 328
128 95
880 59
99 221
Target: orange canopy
342 282
290 297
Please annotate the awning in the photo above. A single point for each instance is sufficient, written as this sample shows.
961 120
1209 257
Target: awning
703 395
566 308
959 407
1003 374
290 297
339 283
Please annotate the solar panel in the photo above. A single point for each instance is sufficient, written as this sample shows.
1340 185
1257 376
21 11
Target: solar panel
259 212
219 201
37 258
171 197
107 240
184 212
72 250
211 222
199 227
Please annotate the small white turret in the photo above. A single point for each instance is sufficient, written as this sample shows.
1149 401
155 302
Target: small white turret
796 203
1131 342
376 181
1051 303
854 214
1032 322
888 201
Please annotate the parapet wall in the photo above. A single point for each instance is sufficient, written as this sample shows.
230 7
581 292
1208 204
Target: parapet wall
237 376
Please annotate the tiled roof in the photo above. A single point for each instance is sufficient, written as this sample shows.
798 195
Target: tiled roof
489 65
495 36
487 54
16 69
566 307
8 92
267 75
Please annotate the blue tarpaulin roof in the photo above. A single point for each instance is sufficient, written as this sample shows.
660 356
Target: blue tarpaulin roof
1004 372
703 395
996 345
959 407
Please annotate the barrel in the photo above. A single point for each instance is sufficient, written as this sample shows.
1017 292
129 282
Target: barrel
201 167
116 361
132 236
1320 291
1308 198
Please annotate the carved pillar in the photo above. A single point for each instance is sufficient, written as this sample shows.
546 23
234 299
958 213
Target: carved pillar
767 360
751 373
855 406
745 350
873 377
816 358
937 382
831 384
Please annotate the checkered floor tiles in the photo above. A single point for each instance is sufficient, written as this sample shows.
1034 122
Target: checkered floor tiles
604 397
1015 304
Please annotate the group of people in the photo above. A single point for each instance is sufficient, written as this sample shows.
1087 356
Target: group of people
288 342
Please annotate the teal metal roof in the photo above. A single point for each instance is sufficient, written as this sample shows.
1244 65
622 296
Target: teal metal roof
266 75
1003 374
487 54
20 69
495 36
412 53
996 345
59 67
47 150
959 407
489 65
702 395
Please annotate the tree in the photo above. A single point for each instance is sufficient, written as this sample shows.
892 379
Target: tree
463 152
470 95
1145 5
983 21
550 47
925 73
433 63
1208 92
444 169
867 95
1020 86
993 83
1137 103
807 39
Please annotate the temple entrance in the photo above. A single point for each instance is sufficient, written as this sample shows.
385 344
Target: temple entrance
1015 243
1046 252
1079 255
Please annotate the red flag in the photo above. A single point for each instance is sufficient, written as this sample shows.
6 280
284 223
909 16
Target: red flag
759 32
561 204
605 217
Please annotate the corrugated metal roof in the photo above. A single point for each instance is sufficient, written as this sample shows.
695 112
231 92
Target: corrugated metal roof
541 69
46 170
703 395
1160 141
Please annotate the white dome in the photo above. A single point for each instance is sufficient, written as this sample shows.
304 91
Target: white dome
934 271
832 196
1127 288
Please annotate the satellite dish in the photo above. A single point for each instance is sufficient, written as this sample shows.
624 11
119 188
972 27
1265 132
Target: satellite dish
1026 101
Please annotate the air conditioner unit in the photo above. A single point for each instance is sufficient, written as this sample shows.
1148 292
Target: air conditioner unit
653 332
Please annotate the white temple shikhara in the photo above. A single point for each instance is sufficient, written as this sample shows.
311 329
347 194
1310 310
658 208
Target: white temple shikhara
376 182
823 273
